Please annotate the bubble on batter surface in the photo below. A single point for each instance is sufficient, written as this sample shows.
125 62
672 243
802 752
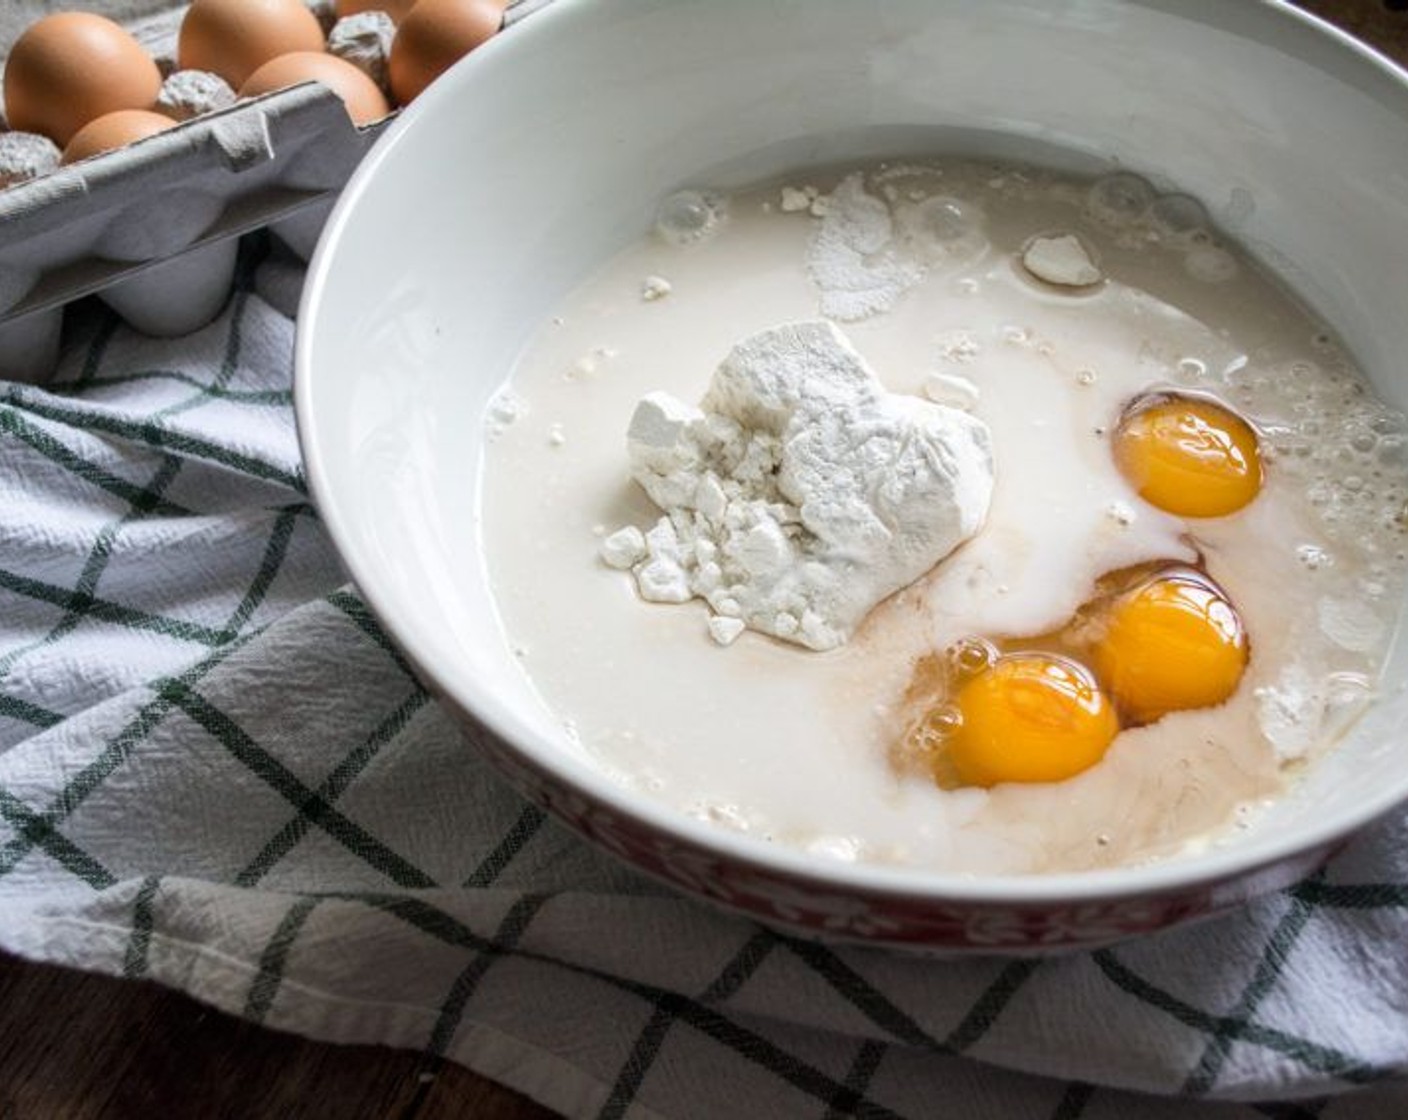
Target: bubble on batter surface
1211 264
689 216
1178 215
1119 199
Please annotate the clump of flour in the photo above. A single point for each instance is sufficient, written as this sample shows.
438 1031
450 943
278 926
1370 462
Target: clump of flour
800 493
870 248
854 259
1061 259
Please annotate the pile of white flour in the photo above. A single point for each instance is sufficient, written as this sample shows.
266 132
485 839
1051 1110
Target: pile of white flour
800 493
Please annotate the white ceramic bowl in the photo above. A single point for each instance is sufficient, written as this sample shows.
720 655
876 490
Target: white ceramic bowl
547 151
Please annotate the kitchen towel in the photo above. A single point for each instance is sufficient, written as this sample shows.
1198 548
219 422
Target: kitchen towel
217 773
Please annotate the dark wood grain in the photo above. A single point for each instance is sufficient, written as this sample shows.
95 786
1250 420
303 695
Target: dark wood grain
83 1047
1383 25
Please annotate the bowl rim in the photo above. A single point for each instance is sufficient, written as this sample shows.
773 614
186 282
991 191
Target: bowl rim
1342 55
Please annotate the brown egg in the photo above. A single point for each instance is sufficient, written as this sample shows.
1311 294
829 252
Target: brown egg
114 130
70 68
396 9
234 38
365 102
434 36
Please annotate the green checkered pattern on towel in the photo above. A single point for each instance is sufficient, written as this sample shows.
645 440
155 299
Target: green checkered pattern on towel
216 772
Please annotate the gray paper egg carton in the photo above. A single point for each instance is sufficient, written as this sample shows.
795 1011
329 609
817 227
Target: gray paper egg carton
153 228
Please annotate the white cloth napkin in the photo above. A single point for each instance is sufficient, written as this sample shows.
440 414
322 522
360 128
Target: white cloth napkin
216 773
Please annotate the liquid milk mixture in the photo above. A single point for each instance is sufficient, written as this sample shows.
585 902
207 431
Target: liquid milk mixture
804 597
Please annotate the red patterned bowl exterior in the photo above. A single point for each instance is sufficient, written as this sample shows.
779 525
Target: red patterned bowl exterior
810 907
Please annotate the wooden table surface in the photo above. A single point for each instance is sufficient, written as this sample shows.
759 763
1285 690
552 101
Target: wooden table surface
79 1047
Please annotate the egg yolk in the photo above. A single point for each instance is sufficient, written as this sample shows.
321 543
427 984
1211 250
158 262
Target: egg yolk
1029 717
1172 643
1189 457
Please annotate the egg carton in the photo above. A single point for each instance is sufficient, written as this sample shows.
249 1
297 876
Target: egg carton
153 229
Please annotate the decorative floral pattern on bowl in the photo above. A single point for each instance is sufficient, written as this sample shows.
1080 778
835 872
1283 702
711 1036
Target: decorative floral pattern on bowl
899 921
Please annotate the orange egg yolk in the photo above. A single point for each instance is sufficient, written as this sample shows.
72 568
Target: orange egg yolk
1029 717
1172 643
1188 456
